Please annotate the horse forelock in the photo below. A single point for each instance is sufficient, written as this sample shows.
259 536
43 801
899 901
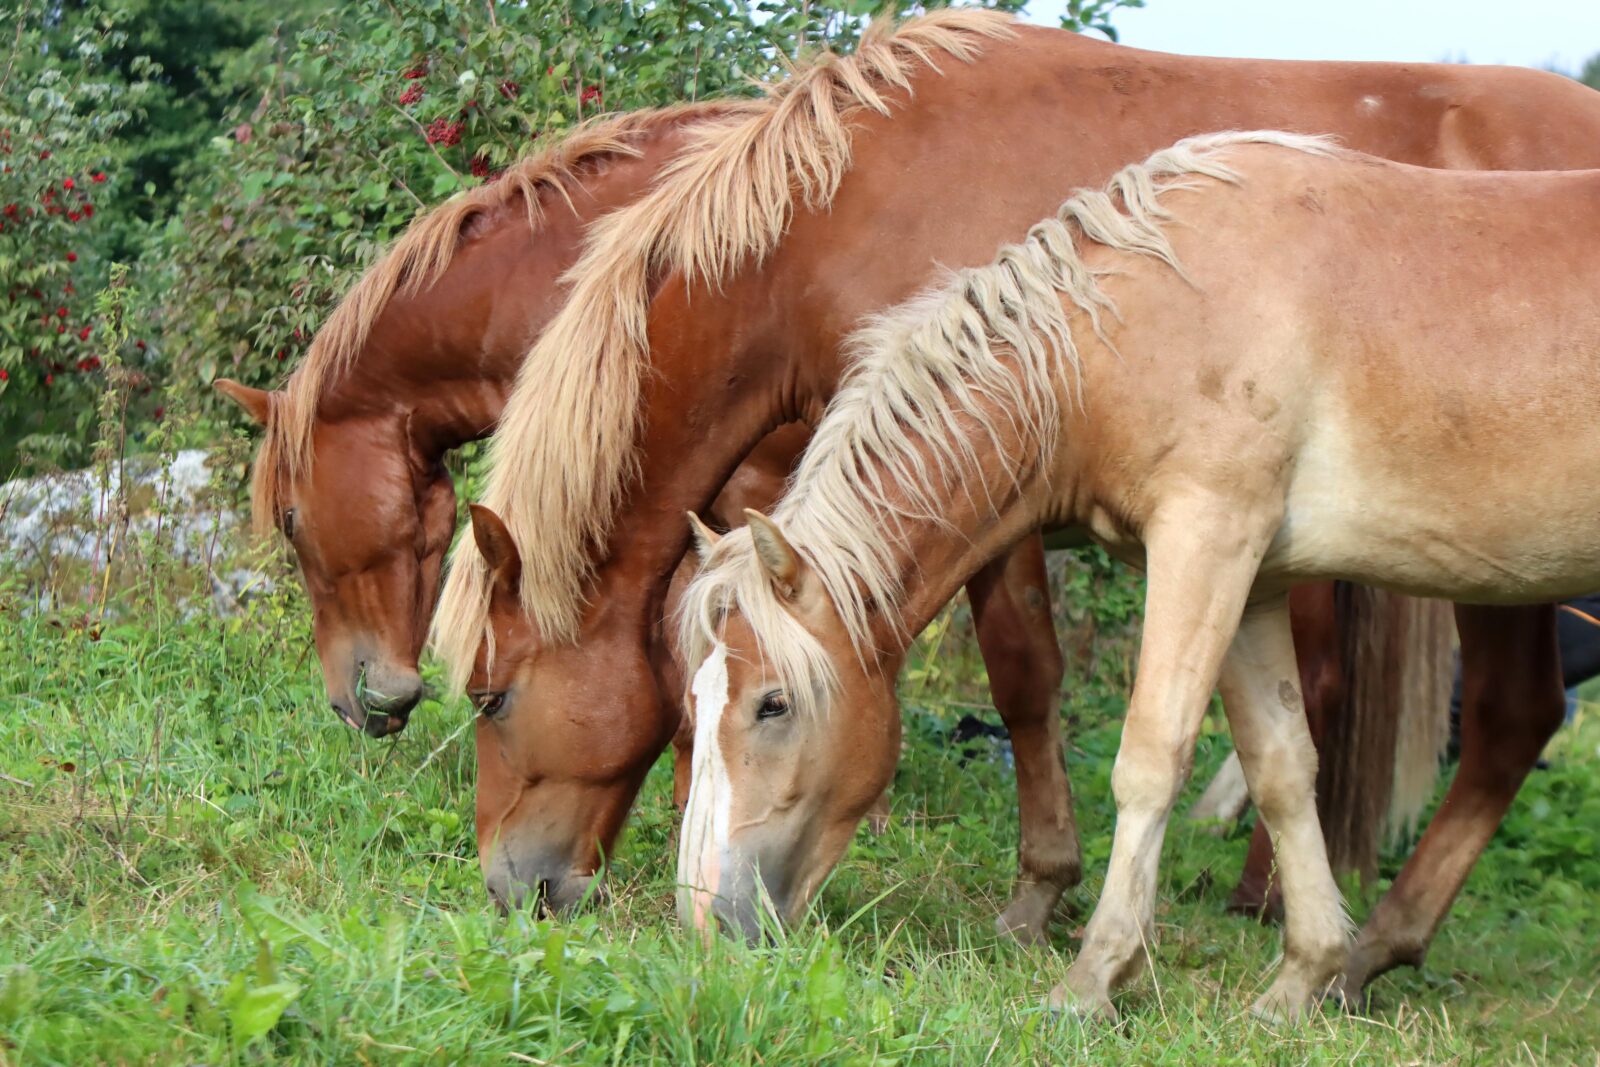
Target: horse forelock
927 382
733 581
566 444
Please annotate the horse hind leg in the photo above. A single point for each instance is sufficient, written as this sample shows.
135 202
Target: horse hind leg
1313 616
1512 702
1265 711
1016 635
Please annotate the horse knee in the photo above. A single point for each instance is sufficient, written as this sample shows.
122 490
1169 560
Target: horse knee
1148 774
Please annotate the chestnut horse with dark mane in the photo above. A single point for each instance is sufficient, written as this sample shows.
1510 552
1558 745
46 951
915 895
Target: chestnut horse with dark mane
714 307
1253 360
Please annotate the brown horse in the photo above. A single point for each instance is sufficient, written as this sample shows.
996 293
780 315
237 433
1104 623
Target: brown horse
1253 360
419 358
714 308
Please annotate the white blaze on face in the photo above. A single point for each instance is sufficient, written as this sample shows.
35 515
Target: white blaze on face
704 838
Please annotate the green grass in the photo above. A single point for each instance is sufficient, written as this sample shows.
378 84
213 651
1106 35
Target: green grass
199 864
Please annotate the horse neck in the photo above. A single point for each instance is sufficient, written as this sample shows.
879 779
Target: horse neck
723 378
930 542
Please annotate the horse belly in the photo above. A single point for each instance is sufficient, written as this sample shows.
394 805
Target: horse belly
1515 523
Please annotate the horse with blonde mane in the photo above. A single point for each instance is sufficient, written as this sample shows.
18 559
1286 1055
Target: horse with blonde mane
1251 361
714 307
419 359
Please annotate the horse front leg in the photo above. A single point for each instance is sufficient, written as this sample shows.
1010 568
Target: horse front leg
1512 702
1202 557
1017 636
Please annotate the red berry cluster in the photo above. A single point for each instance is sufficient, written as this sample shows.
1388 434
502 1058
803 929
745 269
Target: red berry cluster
590 95
67 197
412 94
445 132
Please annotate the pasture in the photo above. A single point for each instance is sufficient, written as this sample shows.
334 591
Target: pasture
200 864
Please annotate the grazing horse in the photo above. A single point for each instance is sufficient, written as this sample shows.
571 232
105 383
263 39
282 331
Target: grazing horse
714 307
419 359
1253 360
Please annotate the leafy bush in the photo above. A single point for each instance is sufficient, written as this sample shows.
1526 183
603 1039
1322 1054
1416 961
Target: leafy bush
61 110
250 175
379 112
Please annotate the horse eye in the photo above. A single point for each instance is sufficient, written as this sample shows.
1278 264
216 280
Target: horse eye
288 524
490 704
773 705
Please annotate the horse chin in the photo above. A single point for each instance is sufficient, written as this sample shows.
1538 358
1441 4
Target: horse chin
755 898
348 717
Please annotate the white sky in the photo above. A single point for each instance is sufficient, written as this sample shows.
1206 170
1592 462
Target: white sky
1533 33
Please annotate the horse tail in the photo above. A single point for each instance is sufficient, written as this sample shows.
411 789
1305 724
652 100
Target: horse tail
1355 779
1427 670
1380 753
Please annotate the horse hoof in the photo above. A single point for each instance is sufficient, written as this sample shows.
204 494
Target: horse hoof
1093 1010
1025 929
1357 1003
1267 911
1279 1008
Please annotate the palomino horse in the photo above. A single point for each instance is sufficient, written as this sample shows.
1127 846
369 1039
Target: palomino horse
1252 361
419 358
713 308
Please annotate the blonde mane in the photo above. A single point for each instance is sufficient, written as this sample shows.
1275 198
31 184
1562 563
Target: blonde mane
566 443
923 389
412 263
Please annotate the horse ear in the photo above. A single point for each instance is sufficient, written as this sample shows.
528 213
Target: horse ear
498 548
705 538
255 402
778 558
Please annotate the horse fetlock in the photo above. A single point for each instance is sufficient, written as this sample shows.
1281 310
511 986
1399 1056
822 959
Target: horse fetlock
1027 918
1059 864
1375 953
1300 987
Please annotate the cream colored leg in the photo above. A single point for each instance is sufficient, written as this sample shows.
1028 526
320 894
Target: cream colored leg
1261 693
1202 562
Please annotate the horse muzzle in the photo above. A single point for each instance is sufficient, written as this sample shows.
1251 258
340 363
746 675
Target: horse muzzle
549 886
384 701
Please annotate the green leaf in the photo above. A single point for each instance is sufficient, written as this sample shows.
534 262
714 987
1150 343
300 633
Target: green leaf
258 1009
444 184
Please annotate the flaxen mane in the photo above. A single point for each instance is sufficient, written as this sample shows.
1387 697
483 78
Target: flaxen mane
566 443
925 384
413 263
